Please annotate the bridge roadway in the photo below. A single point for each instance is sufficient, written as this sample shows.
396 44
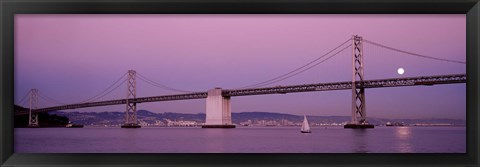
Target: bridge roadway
380 83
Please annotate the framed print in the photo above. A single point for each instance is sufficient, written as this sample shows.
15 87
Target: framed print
226 83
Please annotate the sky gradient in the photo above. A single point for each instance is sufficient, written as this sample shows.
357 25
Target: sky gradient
71 58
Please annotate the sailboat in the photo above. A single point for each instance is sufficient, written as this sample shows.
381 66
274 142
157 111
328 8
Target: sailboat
305 128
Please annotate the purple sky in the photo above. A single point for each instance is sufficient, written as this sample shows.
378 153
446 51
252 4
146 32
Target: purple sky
71 58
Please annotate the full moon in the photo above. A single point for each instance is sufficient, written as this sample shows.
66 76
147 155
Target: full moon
400 71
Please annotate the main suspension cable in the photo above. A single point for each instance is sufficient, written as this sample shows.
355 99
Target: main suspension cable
23 98
269 83
51 100
102 93
273 80
156 84
110 90
413 54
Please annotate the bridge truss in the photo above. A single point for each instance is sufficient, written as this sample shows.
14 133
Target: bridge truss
379 83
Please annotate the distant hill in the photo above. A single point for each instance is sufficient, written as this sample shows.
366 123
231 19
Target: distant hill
44 119
248 118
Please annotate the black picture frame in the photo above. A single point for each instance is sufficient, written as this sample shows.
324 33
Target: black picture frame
9 8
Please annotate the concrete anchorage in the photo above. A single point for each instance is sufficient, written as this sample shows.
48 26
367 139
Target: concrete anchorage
218 114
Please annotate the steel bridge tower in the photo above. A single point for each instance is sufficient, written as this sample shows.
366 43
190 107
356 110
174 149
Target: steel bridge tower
131 110
33 118
359 114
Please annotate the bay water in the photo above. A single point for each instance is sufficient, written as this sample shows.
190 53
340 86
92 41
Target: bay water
241 140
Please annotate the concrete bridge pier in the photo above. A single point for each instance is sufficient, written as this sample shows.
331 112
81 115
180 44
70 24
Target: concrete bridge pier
218 113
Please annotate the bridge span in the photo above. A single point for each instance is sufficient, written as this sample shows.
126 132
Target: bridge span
347 85
218 106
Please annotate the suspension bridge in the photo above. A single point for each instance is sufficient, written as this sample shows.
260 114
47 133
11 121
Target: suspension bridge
218 107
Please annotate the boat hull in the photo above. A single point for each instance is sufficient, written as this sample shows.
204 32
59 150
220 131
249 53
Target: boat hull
131 126
358 126
75 126
218 126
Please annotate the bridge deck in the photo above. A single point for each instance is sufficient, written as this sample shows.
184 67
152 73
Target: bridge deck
380 83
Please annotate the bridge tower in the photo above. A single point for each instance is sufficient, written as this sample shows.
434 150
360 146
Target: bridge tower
131 110
359 114
33 118
218 113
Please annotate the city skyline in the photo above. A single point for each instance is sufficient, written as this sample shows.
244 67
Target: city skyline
73 57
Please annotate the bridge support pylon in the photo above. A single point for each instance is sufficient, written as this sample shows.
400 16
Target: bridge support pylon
218 113
131 111
359 114
33 118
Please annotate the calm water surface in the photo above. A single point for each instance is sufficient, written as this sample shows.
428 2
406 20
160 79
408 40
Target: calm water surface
241 140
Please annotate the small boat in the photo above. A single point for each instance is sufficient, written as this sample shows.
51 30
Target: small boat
395 124
70 125
305 128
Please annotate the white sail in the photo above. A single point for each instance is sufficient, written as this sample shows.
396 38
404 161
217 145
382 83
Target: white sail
305 127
